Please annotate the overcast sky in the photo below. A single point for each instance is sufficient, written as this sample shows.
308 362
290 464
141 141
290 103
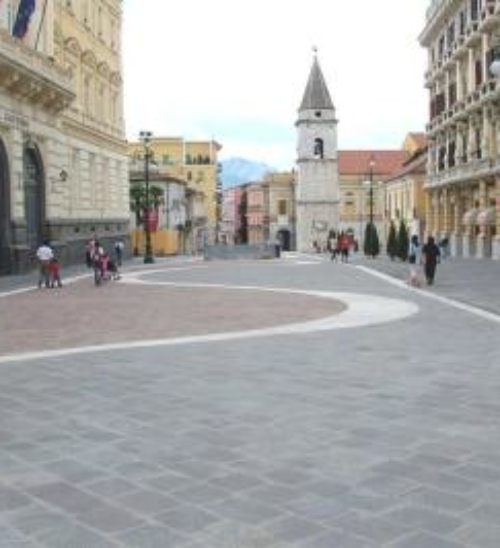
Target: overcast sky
236 71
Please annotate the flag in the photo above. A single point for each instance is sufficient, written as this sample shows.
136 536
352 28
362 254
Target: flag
24 13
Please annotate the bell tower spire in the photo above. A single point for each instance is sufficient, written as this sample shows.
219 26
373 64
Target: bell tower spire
317 159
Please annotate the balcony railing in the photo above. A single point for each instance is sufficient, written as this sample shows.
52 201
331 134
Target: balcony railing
32 76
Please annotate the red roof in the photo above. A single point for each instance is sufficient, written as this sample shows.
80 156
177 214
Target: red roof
357 162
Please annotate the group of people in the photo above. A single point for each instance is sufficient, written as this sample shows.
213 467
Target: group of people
49 268
429 255
105 268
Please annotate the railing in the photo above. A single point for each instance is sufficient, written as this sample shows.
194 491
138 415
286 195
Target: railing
17 55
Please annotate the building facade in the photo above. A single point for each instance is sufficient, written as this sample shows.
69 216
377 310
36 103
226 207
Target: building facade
462 38
362 176
63 163
317 196
196 163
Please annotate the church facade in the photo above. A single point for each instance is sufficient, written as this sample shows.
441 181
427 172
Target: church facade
63 161
317 193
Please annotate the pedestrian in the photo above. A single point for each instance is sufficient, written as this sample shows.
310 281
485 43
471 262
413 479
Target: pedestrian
89 253
55 273
344 247
44 254
432 256
414 259
119 252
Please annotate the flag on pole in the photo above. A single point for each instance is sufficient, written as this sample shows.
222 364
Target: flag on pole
24 13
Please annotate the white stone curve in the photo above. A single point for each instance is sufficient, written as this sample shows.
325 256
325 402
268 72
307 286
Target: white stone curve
362 310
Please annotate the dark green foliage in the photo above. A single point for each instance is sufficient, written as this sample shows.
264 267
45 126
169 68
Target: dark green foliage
371 245
403 241
392 242
138 200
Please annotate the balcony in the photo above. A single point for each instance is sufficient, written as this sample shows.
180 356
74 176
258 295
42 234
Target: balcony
474 169
33 77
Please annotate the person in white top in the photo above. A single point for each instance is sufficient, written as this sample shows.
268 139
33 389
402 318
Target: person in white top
44 254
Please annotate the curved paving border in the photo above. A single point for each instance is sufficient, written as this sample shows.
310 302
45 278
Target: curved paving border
362 310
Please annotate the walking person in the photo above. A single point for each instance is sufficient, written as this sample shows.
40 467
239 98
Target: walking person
119 252
89 253
55 273
414 259
432 256
44 254
344 247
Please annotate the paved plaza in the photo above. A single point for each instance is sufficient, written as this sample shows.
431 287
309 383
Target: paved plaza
281 403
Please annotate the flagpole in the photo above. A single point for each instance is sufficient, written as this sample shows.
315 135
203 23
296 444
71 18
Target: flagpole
42 17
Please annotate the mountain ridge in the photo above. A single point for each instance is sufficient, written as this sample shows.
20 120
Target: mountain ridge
238 170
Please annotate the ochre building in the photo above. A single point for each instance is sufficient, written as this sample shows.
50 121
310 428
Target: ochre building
462 38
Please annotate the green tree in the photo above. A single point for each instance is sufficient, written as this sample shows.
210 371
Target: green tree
138 201
392 242
371 245
403 241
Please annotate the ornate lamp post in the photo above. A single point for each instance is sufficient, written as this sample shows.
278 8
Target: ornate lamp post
371 243
145 137
372 165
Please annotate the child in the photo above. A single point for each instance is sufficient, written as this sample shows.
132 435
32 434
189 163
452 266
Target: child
55 273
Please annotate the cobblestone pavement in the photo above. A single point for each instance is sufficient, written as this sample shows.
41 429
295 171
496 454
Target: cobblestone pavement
384 436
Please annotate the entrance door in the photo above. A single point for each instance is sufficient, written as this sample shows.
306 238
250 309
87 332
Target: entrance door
4 211
33 197
284 237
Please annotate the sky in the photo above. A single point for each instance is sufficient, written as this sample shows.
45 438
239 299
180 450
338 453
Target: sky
236 71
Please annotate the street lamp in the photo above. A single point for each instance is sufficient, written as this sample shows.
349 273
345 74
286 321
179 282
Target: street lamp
371 243
145 137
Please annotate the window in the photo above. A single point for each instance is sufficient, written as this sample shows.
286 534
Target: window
318 148
282 207
165 160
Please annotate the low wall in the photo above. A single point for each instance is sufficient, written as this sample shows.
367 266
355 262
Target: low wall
232 252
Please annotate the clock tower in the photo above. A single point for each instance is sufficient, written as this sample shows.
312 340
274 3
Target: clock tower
317 159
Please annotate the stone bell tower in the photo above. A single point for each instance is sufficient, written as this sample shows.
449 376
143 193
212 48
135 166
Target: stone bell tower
317 159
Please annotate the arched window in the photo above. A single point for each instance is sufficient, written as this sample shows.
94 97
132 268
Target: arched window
318 148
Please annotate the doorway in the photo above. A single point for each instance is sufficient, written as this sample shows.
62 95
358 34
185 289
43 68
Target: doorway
5 259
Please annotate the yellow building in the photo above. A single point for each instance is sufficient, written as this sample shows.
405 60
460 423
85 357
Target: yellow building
462 38
405 196
196 163
63 163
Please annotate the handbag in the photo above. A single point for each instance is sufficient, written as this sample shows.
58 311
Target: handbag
412 259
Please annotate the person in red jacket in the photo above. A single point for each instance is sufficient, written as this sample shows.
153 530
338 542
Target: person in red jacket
55 273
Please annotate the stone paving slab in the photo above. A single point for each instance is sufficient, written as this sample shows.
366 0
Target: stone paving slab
379 437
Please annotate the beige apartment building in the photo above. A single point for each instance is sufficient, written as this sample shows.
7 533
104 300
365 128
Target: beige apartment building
196 163
63 163
462 38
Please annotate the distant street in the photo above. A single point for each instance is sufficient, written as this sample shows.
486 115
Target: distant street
290 403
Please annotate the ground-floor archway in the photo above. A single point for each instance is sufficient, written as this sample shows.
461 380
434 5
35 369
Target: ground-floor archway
5 235
34 196
285 238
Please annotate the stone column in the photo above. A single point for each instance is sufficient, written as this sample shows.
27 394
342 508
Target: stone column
496 241
481 240
456 236
429 220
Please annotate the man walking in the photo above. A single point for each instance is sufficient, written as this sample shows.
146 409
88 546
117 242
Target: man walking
44 254
431 255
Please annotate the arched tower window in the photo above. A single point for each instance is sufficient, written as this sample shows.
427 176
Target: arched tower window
318 148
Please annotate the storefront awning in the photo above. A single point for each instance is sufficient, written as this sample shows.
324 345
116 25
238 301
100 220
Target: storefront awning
487 217
470 217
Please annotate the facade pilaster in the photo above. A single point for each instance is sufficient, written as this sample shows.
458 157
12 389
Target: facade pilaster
496 241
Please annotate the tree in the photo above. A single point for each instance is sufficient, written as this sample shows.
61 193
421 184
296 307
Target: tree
371 245
403 241
392 242
138 201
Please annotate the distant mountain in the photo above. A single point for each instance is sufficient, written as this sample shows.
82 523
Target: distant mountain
236 171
